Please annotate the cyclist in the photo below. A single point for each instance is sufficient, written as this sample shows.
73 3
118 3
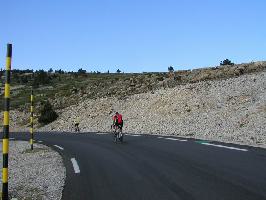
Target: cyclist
76 124
118 124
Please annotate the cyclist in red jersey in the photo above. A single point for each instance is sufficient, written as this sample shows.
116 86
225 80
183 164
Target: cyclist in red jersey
117 124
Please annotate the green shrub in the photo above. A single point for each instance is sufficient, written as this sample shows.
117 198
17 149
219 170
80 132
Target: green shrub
226 62
48 115
170 69
41 78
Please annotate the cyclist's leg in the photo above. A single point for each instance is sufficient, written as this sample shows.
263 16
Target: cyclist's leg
76 127
115 133
120 133
116 130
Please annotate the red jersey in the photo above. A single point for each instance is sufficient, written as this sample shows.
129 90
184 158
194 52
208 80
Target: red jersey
119 119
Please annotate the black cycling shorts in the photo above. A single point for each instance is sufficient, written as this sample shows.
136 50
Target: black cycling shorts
119 125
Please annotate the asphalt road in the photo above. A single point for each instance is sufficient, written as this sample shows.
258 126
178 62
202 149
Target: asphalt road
156 168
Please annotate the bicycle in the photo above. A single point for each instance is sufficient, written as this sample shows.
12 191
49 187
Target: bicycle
117 133
75 127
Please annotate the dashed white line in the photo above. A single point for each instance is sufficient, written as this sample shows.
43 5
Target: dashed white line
40 141
61 148
222 146
75 165
175 139
12 138
159 137
135 135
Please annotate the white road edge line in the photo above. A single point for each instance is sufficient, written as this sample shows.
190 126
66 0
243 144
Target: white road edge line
176 139
61 148
135 135
222 146
75 165
40 141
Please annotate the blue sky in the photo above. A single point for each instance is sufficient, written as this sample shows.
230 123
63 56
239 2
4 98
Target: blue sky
132 35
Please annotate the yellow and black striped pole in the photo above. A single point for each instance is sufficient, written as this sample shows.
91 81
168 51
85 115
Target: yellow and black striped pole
31 119
6 124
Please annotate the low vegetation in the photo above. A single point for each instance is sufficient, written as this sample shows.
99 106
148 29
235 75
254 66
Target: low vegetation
47 113
63 89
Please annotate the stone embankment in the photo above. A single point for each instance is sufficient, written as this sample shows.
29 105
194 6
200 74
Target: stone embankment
229 110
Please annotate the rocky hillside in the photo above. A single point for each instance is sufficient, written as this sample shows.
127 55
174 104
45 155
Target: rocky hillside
230 109
66 89
124 85
225 103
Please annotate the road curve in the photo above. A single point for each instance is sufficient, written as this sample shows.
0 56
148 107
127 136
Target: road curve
156 168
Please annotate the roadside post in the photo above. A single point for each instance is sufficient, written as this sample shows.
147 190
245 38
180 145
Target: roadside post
31 119
6 124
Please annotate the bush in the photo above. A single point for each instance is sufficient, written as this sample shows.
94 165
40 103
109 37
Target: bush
170 69
41 78
82 71
48 115
226 62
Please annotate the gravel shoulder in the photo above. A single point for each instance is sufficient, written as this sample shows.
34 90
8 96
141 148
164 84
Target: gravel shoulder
38 174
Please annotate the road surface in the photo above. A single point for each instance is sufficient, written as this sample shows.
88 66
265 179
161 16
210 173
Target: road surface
156 168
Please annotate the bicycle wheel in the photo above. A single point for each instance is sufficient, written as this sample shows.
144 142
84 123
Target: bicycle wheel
121 138
115 137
